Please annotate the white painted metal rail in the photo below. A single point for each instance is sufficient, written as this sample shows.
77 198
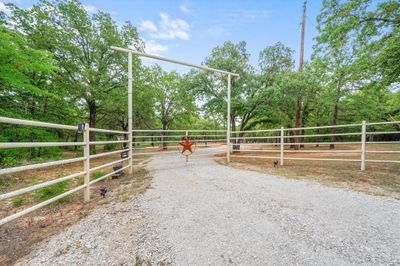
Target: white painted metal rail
131 52
200 136
253 141
144 143
86 159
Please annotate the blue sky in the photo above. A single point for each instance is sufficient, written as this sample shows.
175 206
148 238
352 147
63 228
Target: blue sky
188 30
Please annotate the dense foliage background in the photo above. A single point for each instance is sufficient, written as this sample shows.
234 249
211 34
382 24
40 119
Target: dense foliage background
56 66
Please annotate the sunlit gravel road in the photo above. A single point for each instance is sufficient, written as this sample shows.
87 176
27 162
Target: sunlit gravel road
201 213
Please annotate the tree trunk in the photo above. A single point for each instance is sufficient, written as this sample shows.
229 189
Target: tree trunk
76 140
303 123
292 139
240 135
233 134
291 133
124 126
334 123
298 121
335 115
164 133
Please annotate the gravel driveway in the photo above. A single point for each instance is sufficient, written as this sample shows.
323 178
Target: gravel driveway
205 213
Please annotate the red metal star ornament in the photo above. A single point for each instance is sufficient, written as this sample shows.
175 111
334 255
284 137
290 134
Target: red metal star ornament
186 147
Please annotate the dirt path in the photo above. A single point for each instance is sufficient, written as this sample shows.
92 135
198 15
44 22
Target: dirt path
205 213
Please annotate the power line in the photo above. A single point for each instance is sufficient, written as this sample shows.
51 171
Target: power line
310 21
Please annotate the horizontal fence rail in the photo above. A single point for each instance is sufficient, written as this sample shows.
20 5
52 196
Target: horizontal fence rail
179 130
86 143
162 141
124 138
13 170
277 142
13 145
252 141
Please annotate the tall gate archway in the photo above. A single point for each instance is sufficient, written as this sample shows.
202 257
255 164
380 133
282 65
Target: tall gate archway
131 52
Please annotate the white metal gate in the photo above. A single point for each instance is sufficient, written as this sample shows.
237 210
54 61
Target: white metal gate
153 142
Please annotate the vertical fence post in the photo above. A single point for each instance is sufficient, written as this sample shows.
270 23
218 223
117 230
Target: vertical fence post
86 154
282 144
363 144
228 122
130 109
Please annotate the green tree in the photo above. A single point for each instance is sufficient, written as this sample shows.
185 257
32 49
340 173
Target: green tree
370 30
81 44
276 59
170 99
355 49
20 69
249 96
23 70
288 88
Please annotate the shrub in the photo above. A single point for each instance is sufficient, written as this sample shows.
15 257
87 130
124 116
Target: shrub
110 146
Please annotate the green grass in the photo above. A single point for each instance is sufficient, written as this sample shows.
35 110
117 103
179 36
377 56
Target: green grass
19 201
13 182
97 174
53 191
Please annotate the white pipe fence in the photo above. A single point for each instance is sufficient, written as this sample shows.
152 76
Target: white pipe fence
162 139
206 136
86 159
279 136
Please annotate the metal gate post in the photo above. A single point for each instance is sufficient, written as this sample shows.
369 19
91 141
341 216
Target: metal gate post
363 144
130 137
228 122
282 144
86 154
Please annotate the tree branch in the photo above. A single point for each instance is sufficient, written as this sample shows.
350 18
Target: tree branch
391 21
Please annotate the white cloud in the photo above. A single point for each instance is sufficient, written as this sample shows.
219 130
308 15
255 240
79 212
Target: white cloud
90 8
153 47
148 25
184 8
5 9
167 29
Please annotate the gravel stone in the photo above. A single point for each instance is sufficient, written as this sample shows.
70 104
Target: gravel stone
200 212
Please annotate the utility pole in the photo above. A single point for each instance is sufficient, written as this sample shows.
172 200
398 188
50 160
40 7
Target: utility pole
303 29
301 66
